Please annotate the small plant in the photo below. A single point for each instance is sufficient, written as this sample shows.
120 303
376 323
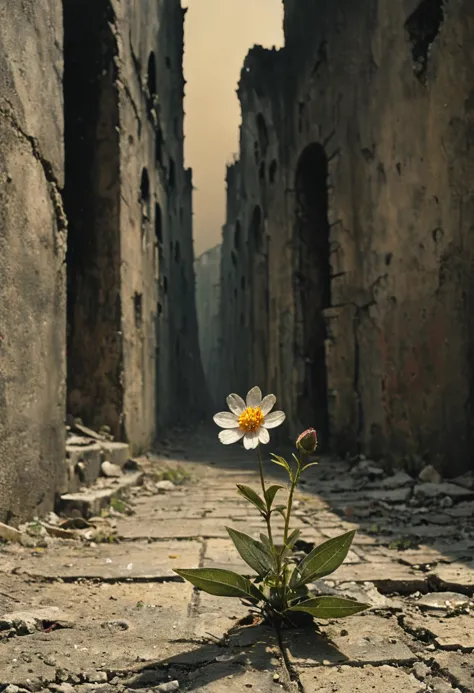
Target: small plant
280 588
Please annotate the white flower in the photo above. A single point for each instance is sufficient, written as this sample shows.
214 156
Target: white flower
248 420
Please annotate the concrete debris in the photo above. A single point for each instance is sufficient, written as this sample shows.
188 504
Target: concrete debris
27 622
437 490
111 470
165 485
430 475
168 687
8 533
442 601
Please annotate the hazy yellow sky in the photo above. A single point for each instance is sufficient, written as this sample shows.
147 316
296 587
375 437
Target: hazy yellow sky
218 35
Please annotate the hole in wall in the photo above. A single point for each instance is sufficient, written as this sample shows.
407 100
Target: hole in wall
262 134
145 186
151 77
256 152
138 309
172 175
388 258
159 146
233 257
158 225
423 26
273 170
261 172
237 236
165 285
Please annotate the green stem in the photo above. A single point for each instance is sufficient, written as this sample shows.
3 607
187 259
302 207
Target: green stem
288 512
262 481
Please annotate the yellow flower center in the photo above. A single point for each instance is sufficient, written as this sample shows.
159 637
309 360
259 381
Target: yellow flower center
251 419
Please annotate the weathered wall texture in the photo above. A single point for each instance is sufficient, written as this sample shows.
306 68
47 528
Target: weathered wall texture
354 208
208 266
32 253
133 344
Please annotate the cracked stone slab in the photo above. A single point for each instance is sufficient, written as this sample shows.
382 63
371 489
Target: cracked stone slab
358 640
118 626
385 679
137 561
397 578
431 490
456 574
448 633
365 592
458 667
259 676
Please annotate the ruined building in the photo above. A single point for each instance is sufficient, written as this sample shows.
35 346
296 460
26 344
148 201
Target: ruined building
97 308
347 256
208 266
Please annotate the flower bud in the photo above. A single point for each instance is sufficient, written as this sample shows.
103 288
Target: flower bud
307 441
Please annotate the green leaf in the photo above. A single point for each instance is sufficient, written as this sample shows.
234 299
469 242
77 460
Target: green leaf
311 464
270 494
323 559
330 607
222 583
279 509
253 497
293 538
253 552
283 463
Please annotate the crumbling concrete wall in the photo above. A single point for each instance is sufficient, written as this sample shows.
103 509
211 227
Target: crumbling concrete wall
207 267
369 247
32 254
133 350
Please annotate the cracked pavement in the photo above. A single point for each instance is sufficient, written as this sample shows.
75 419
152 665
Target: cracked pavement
109 614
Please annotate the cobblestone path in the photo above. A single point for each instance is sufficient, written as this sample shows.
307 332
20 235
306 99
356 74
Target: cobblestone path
105 612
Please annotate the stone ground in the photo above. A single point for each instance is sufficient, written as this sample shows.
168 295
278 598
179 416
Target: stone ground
105 612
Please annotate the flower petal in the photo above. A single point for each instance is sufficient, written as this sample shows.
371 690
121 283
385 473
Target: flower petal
231 435
267 404
254 397
225 419
251 440
263 435
274 419
235 403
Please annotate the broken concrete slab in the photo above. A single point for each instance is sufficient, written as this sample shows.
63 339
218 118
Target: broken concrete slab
398 578
367 680
113 562
116 453
8 533
91 501
459 668
27 622
432 490
358 640
455 576
111 470
442 601
451 633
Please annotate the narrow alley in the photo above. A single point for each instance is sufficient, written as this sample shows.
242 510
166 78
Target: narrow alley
95 605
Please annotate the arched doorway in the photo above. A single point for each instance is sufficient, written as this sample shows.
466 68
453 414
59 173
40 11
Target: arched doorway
312 287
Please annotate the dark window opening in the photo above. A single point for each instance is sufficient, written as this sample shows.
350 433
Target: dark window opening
165 285
145 187
256 152
262 134
151 78
158 225
237 235
423 26
138 309
171 175
273 170
159 146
